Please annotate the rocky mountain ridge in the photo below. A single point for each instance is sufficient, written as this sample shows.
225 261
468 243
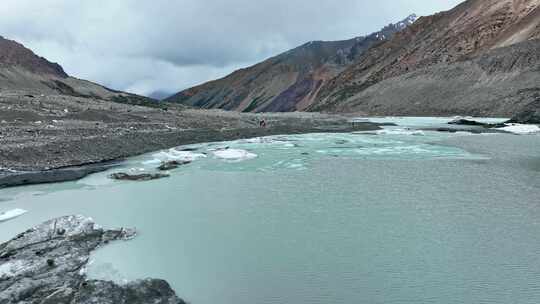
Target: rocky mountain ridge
25 73
455 39
287 82
14 54
479 58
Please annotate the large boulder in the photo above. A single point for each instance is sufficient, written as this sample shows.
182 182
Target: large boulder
171 165
530 114
45 265
466 122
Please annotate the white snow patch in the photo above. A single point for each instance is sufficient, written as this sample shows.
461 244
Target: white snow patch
11 214
234 154
521 129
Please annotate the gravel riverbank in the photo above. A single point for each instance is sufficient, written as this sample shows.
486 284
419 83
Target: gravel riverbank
57 138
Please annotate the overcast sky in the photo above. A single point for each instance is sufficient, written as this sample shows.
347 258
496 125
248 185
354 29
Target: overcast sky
165 45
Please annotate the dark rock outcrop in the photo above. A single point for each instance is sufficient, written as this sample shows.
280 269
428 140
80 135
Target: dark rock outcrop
46 265
530 114
466 122
137 177
170 165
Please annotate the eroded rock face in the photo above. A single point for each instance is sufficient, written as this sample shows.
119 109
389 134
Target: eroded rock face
46 265
458 62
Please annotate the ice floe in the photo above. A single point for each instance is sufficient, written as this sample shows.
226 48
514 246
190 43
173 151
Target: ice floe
234 154
11 214
173 154
521 129
400 132
258 140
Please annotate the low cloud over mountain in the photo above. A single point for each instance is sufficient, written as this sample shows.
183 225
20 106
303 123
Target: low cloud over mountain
163 46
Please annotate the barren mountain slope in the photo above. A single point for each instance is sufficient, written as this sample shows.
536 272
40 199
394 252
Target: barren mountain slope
287 82
23 72
471 29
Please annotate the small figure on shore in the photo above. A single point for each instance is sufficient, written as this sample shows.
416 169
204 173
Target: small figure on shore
262 123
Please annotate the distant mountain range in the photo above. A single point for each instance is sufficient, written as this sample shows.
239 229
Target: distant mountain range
23 72
480 58
288 82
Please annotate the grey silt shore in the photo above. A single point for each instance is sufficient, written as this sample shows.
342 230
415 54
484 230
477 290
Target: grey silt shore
55 138
46 265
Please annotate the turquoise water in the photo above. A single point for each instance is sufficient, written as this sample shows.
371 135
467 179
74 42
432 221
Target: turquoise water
395 216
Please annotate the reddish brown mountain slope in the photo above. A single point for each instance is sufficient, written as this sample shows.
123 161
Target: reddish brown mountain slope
287 82
471 29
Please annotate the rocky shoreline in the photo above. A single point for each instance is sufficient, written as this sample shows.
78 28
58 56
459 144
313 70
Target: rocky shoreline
19 178
46 265
57 138
100 154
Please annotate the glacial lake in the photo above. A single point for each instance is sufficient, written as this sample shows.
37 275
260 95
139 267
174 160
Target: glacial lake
394 216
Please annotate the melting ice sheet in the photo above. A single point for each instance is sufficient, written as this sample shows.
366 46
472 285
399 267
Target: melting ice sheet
11 214
297 152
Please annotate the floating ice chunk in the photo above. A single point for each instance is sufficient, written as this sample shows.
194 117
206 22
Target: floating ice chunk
400 132
521 129
173 154
296 166
263 140
256 140
11 214
234 154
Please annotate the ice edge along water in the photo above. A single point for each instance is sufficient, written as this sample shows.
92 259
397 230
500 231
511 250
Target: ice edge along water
174 154
11 214
521 129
